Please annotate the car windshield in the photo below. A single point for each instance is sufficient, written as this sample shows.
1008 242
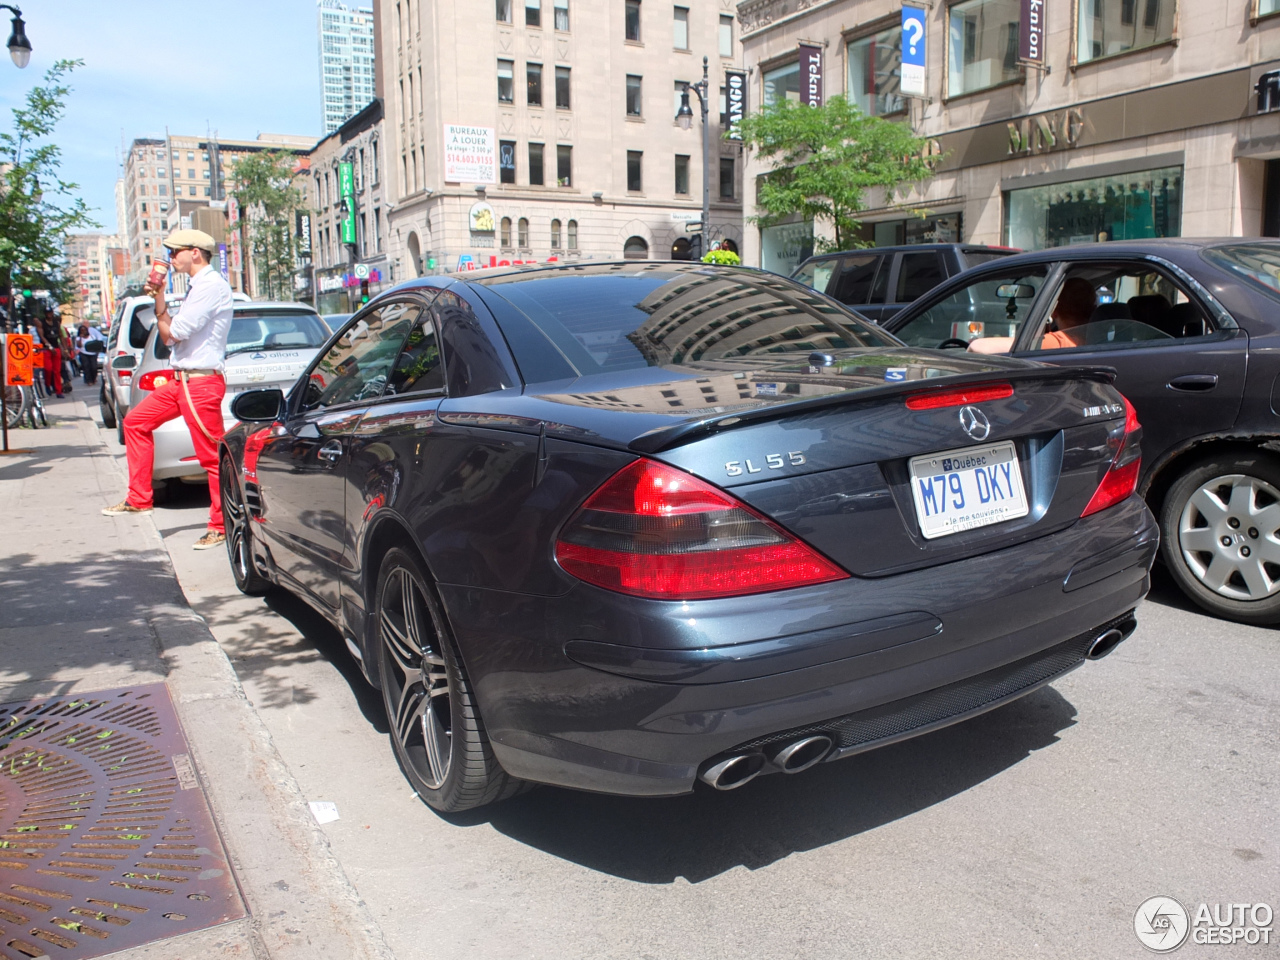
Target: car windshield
1258 263
275 330
614 319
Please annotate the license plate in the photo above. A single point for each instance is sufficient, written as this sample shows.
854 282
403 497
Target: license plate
961 490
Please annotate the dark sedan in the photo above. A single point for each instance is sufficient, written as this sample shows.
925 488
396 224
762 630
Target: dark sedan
626 527
1192 329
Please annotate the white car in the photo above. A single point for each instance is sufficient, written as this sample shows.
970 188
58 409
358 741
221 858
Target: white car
270 345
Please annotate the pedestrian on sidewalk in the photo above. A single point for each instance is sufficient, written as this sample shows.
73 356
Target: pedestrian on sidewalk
198 336
88 361
51 337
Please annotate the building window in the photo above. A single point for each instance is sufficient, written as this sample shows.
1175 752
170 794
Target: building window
533 13
533 84
535 165
504 11
562 88
144 208
374 148
726 178
682 173
782 83
505 234
681 22
506 84
1108 27
555 234
635 160
573 234
564 165
726 36
1268 7
377 229
636 248
523 228
562 14
633 20
1130 206
633 95
507 161
983 45
164 190
875 73
206 191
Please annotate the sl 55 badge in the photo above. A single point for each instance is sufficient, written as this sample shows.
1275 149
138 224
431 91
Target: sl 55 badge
772 461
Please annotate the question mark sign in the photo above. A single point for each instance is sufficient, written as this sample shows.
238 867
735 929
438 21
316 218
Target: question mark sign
915 30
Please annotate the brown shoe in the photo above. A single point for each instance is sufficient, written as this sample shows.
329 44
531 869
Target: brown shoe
122 508
212 538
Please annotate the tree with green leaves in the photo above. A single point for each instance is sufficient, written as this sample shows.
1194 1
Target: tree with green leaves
825 159
37 208
264 187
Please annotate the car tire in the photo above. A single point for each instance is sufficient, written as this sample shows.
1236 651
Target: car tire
1233 497
235 517
436 730
108 412
120 430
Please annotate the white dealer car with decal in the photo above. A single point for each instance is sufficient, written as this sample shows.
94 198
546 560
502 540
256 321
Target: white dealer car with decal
270 344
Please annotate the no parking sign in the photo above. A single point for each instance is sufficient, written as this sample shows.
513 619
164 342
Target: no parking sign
19 351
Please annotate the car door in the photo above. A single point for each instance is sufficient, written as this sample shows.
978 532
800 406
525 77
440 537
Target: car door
853 282
917 274
303 463
1180 360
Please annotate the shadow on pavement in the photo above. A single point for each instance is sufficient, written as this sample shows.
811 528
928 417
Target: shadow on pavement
1166 592
702 835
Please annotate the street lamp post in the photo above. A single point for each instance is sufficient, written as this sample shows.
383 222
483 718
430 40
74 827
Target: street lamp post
19 45
684 116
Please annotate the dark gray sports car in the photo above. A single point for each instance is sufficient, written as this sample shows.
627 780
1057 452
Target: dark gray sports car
628 527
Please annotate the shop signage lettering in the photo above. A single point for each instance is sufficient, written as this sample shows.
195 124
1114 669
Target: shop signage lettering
811 75
347 191
469 154
911 82
468 262
1059 130
735 82
1031 33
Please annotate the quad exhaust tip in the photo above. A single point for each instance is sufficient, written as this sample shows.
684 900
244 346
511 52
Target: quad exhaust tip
732 772
1111 638
802 754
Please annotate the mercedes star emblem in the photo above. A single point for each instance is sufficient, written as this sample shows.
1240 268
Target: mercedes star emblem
975 423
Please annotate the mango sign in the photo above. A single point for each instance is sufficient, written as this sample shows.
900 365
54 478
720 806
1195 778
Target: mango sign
19 353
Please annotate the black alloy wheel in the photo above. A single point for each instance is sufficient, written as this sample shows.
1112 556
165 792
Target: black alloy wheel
104 407
1220 535
235 517
436 730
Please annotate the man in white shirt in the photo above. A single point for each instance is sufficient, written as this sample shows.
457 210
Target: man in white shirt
198 336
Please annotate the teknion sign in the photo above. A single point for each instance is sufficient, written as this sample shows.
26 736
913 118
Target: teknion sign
911 82
469 154
1031 33
811 75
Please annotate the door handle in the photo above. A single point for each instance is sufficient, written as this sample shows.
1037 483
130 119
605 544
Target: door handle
1194 382
331 451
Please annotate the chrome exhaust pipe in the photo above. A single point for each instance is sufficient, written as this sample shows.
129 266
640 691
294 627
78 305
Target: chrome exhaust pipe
802 754
1111 638
732 772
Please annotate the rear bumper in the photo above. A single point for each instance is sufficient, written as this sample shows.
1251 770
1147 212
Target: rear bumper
175 454
601 692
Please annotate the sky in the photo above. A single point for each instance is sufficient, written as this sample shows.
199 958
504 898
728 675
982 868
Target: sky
235 67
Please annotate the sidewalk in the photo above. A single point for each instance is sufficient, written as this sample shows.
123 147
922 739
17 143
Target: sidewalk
91 603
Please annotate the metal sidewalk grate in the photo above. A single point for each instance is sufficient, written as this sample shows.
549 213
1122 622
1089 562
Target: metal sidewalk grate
106 840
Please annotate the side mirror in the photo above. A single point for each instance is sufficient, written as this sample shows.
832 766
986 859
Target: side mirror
126 362
258 406
1015 291
95 346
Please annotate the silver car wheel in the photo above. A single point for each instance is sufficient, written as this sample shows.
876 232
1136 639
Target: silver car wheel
1229 536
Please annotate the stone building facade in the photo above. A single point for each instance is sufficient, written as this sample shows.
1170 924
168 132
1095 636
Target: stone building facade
546 129
1147 117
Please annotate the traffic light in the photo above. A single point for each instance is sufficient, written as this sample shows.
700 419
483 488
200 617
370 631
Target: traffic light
695 247
431 263
364 291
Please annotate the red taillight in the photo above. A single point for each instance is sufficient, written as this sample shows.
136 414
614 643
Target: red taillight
655 531
156 379
958 398
1121 478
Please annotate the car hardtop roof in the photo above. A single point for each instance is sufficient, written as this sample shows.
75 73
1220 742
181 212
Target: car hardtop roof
495 276
1171 247
290 305
914 248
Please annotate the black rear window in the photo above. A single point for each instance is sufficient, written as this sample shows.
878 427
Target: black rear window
631 318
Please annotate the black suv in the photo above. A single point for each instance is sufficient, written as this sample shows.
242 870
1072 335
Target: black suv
880 281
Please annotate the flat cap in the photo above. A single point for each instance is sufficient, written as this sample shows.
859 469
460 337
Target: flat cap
180 239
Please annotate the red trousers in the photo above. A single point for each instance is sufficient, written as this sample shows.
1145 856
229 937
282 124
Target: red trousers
53 369
165 404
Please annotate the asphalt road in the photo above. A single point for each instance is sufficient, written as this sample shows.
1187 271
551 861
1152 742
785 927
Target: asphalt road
1034 830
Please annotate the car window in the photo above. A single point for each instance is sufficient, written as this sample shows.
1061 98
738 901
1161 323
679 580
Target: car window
919 273
1105 305
1258 263
418 368
265 330
880 289
357 366
856 276
991 308
816 273
140 323
975 258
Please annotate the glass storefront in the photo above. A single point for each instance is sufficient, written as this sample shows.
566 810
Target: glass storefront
782 83
895 233
784 246
1132 206
875 73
